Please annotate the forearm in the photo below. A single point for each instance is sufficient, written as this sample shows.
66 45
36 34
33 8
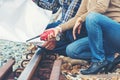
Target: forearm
69 24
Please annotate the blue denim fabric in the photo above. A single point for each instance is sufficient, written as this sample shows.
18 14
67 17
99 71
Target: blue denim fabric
69 9
102 42
103 36
60 45
79 49
66 39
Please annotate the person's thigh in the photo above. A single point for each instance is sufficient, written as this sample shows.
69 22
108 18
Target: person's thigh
79 49
111 30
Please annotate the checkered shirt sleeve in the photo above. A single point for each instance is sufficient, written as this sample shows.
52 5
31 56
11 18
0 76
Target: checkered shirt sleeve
72 10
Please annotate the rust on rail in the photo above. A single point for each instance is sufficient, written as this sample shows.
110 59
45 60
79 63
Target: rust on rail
56 70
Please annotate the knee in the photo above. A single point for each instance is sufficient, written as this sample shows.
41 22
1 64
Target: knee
92 17
69 51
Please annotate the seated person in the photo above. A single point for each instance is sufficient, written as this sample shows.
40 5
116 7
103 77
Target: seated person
69 9
103 24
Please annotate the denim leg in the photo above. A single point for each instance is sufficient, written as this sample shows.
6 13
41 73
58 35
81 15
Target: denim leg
101 28
109 50
79 49
65 40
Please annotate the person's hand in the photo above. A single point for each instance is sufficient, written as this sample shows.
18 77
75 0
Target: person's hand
47 35
50 34
50 45
77 27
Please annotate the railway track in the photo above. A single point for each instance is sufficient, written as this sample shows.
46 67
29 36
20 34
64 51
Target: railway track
39 67
44 66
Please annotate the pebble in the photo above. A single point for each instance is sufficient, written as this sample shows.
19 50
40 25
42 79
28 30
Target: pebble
10 49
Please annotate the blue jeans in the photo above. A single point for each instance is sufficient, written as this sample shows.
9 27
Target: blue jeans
66 39
79 49
103 36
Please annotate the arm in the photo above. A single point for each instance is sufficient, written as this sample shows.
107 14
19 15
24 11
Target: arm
70 23
47 4
101 7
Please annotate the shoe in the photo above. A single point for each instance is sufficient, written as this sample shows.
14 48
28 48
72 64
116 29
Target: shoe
112 67
95 68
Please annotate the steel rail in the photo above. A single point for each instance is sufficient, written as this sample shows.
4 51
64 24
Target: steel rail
6 69
29 70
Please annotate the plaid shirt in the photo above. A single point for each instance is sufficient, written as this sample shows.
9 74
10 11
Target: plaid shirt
69 7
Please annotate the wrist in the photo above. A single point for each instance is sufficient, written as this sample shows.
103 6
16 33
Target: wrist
59 29
80 20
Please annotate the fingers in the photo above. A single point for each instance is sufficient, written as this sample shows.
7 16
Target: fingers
48 35
51 37
79 29
76 28
49 45
45 44
74 32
